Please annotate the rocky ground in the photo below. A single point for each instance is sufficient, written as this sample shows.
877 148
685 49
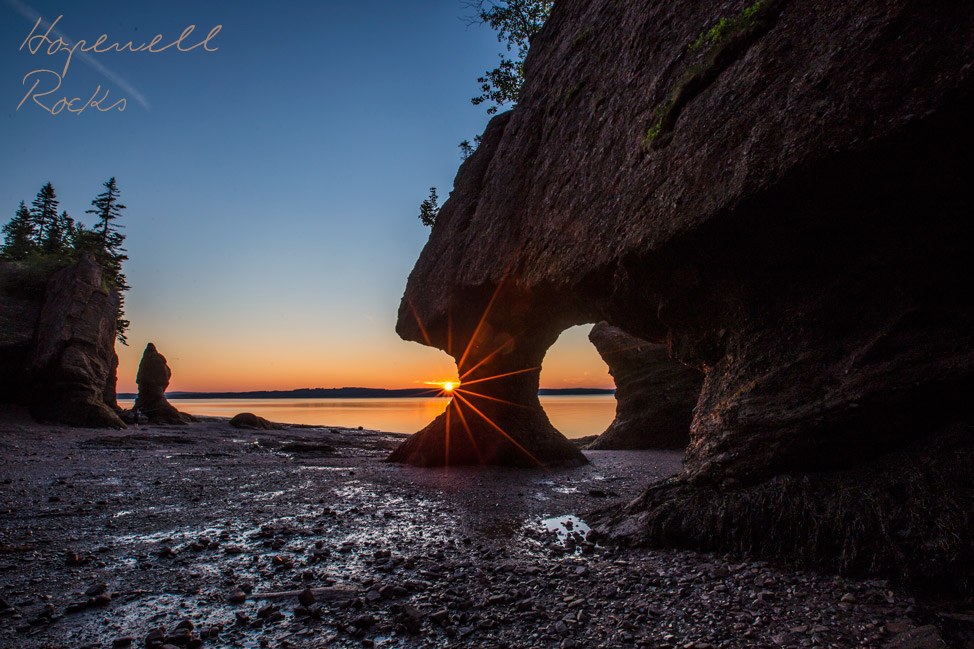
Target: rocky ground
209 536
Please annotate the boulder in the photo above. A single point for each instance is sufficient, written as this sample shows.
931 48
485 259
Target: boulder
783 202
72 366
655 394
153 379
250 421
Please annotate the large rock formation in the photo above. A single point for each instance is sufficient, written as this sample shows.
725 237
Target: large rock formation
655 394
58 343
495 416
153 379
784 201
21 299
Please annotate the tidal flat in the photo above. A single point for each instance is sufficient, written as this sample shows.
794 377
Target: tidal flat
208 536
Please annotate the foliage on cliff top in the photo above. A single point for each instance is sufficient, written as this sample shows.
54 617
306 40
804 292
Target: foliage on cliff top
44 241
516 23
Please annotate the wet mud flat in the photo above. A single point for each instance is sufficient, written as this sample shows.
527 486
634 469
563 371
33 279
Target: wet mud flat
207 536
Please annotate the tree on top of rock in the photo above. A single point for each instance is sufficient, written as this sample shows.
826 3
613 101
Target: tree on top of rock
47 221
516 23
18 235
108 239
48 240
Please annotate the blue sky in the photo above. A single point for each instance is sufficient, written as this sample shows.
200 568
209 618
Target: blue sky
272 185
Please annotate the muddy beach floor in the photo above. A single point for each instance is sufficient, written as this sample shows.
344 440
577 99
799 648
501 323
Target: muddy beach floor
209 536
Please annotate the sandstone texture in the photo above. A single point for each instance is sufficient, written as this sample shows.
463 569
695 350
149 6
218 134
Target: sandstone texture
785 205
655 394
57 346
153 379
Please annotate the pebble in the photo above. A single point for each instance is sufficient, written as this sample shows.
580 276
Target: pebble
306 598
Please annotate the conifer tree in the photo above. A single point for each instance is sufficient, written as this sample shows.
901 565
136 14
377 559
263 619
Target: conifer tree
18 235
110 254
81 240
430 209
62 234
44 211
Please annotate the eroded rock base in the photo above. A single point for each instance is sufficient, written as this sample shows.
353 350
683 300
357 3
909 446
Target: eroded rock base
908 515
461 437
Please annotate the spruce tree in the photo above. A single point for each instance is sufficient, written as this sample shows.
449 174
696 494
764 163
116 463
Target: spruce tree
430 209
110 254
62 234
18 235
44 211
82 240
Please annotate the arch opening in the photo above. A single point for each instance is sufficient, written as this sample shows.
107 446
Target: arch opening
577 391
654 398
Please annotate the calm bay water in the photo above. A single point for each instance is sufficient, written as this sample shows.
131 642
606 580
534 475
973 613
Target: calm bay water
575 416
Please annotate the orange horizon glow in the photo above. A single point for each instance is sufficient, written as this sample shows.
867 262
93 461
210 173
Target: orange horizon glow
231 365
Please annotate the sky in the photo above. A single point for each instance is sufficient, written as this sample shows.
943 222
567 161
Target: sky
272 185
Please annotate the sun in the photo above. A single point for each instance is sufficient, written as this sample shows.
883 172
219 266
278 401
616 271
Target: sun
444 388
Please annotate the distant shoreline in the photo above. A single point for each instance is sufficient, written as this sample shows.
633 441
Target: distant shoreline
354 393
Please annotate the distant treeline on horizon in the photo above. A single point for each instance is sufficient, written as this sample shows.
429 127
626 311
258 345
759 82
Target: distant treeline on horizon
353 393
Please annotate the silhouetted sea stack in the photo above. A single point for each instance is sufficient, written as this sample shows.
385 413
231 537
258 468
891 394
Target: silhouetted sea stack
153 379
57 343
655 394
787 207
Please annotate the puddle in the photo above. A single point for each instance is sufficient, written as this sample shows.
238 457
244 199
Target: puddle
570 528
175 537
262 495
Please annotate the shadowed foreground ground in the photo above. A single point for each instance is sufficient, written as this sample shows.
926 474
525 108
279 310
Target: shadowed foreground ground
147 528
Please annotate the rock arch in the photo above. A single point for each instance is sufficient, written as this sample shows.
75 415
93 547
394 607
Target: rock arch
495 416
803 238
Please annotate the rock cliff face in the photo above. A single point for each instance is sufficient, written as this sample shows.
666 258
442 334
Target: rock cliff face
73 364
21 298
153 379
785 203
58 350
655 394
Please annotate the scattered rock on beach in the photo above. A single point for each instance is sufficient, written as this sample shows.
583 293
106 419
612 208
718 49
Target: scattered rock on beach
250 421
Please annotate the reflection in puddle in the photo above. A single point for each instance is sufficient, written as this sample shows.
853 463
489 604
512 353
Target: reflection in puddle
570 528
261 495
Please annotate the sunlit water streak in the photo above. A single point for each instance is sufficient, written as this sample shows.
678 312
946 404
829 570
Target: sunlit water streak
575 416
